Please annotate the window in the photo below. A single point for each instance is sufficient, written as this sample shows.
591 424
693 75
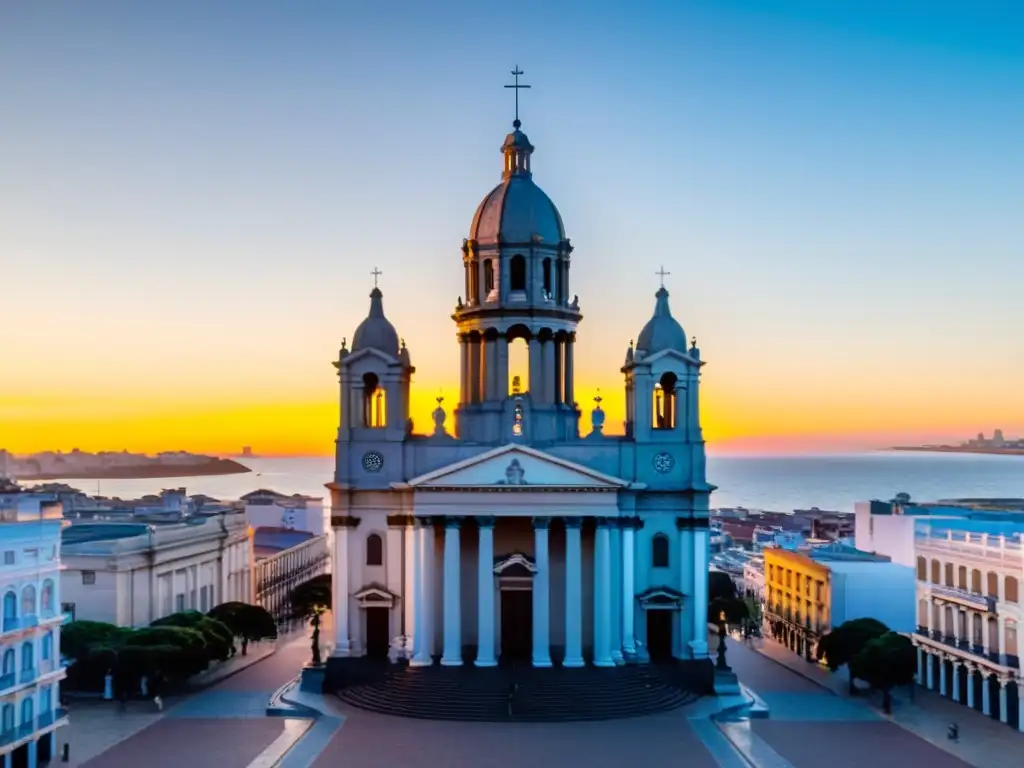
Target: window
374 550
488 276
28 656
659 551
179 603
9 557
28 600
517 273
374 402
203 599
8 718
46 599
10 606
8 663
88 577
547 277
47 650
26 710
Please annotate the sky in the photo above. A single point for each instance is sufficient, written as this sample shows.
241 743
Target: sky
193 196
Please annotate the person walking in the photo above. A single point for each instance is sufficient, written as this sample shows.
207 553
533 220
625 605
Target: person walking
156 687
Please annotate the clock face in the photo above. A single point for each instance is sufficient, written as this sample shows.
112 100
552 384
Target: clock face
664 462
373 461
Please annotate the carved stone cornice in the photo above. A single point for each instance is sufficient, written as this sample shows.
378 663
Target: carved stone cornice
400 521
344 521
692 523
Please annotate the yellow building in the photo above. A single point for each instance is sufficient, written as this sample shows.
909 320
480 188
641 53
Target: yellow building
797 599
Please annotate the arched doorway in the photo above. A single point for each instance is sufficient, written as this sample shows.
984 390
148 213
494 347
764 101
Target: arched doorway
376 601
515 613
662 607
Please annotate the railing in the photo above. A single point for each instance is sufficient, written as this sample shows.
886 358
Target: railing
966 646
988 546
963 596
8 681
26 729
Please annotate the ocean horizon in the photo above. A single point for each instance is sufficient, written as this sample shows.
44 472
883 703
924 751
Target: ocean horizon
775 482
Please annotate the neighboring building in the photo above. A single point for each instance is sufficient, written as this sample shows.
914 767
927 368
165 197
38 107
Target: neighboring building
132 573
811 592
545 536
270 509
30 711
753 579
967 554
285 559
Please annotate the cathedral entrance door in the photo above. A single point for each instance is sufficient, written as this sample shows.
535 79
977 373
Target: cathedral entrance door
378 632
659 634
516 624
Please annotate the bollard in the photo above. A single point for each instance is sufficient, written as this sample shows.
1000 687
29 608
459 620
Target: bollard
67 753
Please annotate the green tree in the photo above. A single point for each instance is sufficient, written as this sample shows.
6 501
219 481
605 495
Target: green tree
218 636
723 598
884 663
249 623
309 600
78 637
842 644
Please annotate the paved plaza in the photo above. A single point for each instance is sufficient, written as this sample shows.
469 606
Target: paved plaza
226 726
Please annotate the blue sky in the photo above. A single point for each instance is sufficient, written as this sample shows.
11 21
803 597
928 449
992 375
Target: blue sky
194 195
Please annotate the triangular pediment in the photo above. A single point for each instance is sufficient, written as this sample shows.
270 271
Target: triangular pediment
517 467
669 354
516 565
369 352
661 597
374 594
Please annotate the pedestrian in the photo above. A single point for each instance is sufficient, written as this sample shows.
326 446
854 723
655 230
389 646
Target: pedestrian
155 687
954 733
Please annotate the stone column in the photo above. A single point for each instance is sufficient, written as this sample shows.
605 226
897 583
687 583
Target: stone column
463 369
339 585
919 677
570 395
573 594
452 656
943 689
501 368
686 571
549 371
956 681
986 694
485 594
602 595
699 643
409 581
421 645
1003 714
474 369
969 669
615 598
429 585
541 594
929 660
628 590
536 385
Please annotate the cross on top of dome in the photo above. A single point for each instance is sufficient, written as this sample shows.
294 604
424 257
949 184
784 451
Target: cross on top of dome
517 86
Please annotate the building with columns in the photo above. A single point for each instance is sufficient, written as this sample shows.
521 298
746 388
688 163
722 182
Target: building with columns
507 532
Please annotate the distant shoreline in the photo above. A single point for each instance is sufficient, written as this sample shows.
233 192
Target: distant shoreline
960 449
211 467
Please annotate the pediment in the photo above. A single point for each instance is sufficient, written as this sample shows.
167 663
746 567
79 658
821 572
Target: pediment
667 355
661 597
517 565
355 357
516 467
375 595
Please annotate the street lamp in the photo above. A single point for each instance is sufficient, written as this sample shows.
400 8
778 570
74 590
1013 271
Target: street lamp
721 664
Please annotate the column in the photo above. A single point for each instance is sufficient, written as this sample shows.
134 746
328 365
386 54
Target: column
986 693
573 594
484 369
412 595
615 598
930 662
943 689
474 370
452 656
549 371
919 677
485 594
570 395
541 594
956 681
463 369
686 571
536 386
501 368
339 587
699 644
969 669
429 587
602 595
628 591
1003 714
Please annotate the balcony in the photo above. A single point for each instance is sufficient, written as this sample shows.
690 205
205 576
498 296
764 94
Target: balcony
25 730
961 597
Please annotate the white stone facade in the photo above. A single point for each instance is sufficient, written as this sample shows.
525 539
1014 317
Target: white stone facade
31 669
269 509
132 574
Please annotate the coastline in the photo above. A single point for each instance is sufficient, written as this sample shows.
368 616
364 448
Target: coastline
156 471
960 449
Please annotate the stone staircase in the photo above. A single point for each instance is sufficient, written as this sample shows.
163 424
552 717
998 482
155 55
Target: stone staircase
525 694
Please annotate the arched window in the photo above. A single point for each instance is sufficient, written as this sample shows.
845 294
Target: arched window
936 571
665 402
488 276
47 649
45 699
1011 589
10 605
46 598
961 577
375 412
517 273
993 584
976 581
8 718
659 551
922 569
26 710
547 276
28 656
28 600
949 575
374 550
8 662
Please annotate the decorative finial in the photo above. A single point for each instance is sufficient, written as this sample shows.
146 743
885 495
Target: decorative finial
598 399
440 399
403 343
376 273
630 343
662 274
344 342
693 342
516 73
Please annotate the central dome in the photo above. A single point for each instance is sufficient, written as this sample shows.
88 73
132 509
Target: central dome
517 210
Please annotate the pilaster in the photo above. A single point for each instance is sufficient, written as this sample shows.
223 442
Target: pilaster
602 595
452 656
541 594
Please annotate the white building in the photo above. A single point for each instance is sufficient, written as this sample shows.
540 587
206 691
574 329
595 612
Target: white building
270 509
515 534
969 562
132 573
31 671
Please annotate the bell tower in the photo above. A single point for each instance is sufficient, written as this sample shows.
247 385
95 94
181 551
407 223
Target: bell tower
516 262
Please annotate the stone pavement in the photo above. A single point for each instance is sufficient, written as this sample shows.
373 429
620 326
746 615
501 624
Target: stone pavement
984 741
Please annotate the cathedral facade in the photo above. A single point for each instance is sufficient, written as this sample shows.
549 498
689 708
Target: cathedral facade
509 534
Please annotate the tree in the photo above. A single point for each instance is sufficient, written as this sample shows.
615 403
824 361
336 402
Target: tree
217 635
842 644
249 623
309 600
78 637
885 662
723 598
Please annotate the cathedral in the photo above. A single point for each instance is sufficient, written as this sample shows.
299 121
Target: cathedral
506 533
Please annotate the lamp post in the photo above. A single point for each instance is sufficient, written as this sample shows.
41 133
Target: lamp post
721 665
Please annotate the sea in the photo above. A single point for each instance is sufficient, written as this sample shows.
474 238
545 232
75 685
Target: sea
778 483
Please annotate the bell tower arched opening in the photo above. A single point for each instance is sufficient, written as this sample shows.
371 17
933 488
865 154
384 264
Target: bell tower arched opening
517 273
375 412
518 359
665 402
